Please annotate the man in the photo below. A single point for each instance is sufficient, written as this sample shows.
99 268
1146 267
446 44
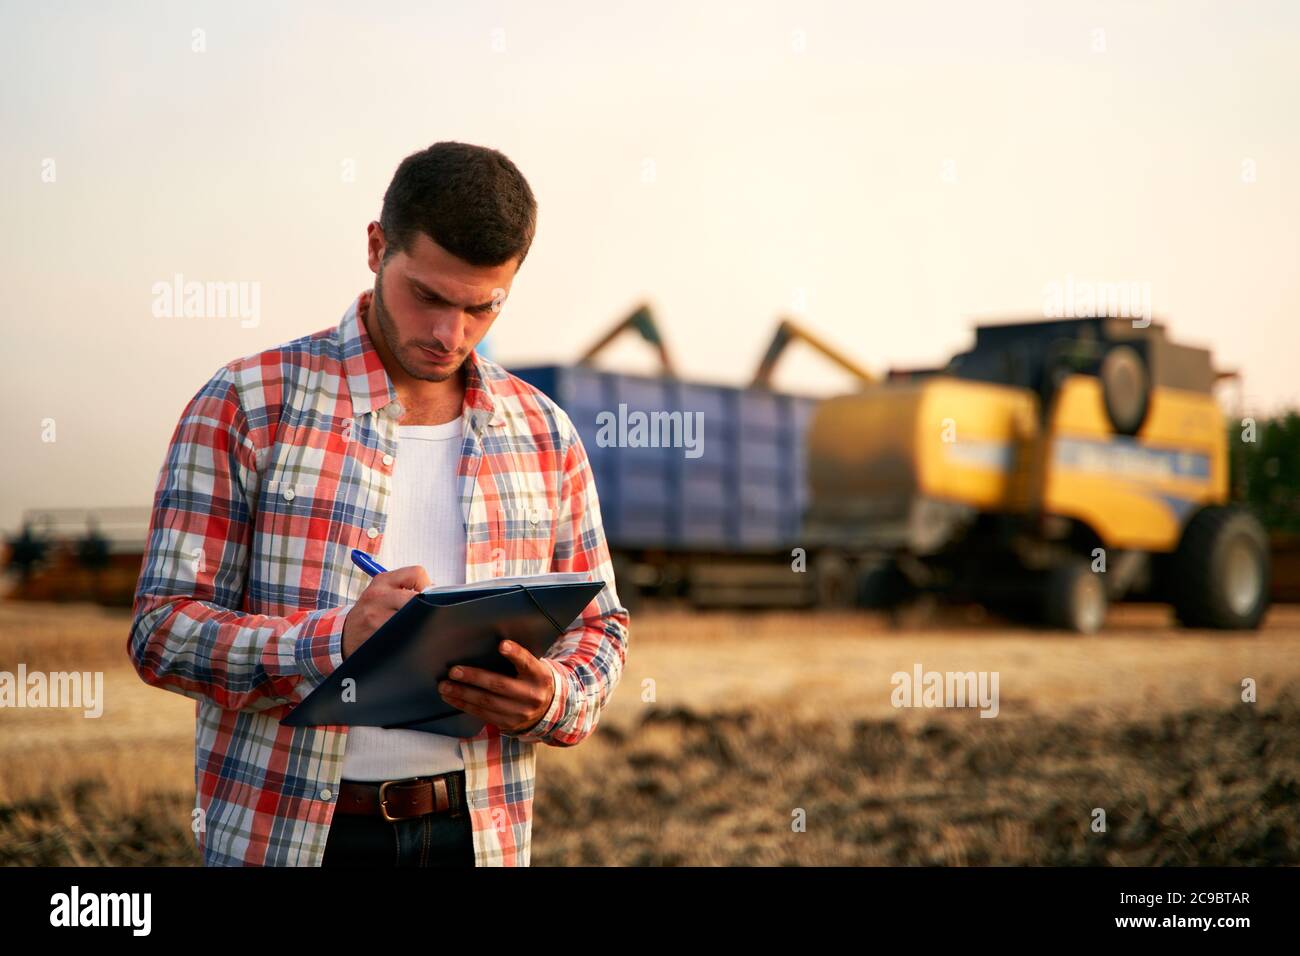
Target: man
388 433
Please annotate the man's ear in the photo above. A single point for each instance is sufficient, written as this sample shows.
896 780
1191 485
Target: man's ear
376 246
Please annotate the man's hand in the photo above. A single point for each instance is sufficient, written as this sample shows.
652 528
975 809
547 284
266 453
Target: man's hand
512 704
385 595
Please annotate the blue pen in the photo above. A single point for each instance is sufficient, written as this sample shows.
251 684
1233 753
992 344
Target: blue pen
366 563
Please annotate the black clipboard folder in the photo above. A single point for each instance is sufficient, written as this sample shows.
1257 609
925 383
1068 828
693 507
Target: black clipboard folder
397 670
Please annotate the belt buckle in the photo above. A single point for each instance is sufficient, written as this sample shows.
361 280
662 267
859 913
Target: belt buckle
383 801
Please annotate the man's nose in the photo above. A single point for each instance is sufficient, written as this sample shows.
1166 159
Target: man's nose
449 329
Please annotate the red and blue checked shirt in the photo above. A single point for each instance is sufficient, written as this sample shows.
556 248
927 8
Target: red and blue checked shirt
278 468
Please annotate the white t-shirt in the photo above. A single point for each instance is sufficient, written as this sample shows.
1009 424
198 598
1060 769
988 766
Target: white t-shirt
426 527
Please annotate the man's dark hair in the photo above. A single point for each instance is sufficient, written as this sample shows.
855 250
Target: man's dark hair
470 200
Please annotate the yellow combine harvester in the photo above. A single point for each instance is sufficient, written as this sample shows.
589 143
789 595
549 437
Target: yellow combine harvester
1055 466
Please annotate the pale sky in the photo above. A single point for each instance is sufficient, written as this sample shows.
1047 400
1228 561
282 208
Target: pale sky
891 173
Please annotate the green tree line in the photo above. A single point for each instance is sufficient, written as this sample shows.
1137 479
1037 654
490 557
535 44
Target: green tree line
1266 471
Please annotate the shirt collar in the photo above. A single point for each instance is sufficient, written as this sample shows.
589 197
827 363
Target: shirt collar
369 383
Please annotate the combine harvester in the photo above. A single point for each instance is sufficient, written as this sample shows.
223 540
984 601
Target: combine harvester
1056 466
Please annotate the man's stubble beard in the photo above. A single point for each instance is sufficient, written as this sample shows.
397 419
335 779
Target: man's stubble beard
389 330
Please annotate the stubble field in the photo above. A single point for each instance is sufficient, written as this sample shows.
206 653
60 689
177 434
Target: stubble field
771 739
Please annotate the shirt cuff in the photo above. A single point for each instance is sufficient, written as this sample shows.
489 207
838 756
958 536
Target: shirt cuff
540 731
308 652
319 650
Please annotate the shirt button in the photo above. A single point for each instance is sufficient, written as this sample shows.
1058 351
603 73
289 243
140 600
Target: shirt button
288 494
326 793
395 410
388 459
372 533
534 516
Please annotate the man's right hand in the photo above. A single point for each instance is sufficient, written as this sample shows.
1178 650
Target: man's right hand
386 594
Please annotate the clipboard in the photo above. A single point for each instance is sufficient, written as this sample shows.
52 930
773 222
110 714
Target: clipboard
397 670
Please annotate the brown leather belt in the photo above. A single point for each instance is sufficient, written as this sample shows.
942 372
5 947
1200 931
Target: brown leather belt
395 800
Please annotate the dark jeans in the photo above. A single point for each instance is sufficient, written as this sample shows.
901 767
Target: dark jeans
435 839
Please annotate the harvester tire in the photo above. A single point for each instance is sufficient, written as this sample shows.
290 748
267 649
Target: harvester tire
1074 598
1221 570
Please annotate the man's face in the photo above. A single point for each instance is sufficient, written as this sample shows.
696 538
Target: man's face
433 308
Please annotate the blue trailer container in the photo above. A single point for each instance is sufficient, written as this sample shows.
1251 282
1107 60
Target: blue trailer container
742 494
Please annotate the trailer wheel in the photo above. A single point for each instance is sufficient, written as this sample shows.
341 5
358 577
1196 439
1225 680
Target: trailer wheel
625 584
1125 388
1074 598
834 581
883 587
1221 571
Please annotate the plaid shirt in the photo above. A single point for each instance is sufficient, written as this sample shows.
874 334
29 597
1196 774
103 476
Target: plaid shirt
279 466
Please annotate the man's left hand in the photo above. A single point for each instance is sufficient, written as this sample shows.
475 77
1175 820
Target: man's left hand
511 704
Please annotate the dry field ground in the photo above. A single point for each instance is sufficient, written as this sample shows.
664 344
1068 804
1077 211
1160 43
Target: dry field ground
729 727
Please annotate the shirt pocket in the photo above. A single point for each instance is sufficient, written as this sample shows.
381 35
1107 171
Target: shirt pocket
526 538
298 514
